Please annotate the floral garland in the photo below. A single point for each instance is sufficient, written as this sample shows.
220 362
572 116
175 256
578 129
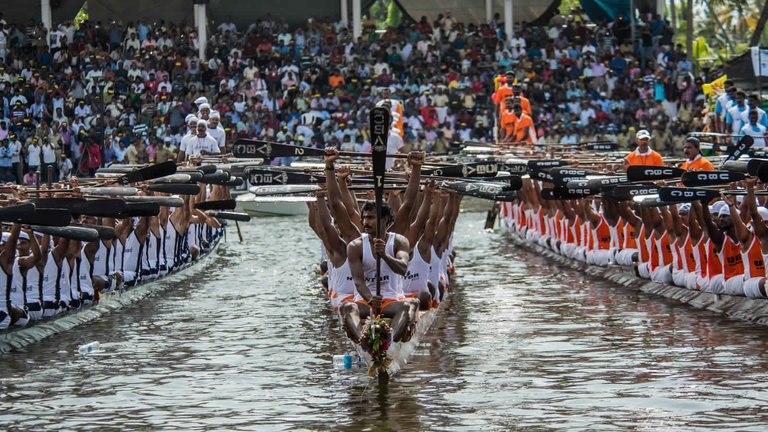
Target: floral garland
376 338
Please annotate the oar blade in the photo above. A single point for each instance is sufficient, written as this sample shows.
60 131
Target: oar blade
687 194
217 205
18 211
175 188
710 178
78 233
48 217
652 173
148 173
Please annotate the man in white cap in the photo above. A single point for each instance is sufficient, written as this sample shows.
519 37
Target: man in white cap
199 101
643 154
215 130
202 144
725 233
203 111
191 121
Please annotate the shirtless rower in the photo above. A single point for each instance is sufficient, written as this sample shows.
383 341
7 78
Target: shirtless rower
362 253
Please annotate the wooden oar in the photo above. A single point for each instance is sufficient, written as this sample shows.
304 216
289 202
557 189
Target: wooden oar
165 201
70 232
121 191
105 232
175 188
18 211
379 125
217 205
235 216
148 173
47 217
250 148
687 194
140 209
650 173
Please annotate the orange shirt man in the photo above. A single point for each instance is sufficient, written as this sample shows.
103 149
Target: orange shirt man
695 161
643 155
524 129
507 121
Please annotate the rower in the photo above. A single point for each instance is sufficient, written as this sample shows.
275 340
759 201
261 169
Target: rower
421 233
25 286
694 160
759 216
53 256
725 245
751 253
362 253
15 293
643 154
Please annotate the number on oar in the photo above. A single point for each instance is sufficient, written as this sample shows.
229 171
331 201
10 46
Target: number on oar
148 173
283 189
380 120
250 148
474 169
546 163
651 173
710 178
217 205
744 144
263 177
687 194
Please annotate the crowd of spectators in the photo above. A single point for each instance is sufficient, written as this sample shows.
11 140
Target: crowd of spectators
81 96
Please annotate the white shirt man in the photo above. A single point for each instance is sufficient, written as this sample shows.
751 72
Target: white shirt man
755 130
394 144
49 153
202 143
215 130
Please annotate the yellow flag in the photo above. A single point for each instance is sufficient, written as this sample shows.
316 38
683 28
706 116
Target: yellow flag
717 86
82 15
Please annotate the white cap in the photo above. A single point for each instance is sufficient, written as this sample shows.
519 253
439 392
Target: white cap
191 119
214 114
763 212
684 208
202 122
642 134
715 208
201 100
204 106
23 236
725 210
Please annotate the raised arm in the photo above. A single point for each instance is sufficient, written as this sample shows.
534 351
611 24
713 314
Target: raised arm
402 221
743 235
710 228
347 228
32 259
417 227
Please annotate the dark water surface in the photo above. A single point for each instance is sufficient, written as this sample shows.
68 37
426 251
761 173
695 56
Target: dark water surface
245 343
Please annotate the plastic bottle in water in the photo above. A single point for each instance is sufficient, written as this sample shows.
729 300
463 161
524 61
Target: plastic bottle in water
338 361
88 348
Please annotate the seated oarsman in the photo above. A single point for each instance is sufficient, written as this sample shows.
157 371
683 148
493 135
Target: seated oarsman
599 245
15 307
336 237
759 217
694 161
726 250
751 251
25 286
362 253
442 245
625 251
683 261
53 254
421 233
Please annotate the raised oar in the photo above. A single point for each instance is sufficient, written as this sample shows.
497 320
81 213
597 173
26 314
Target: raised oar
47 217
148 173
175 188
107 190
380 120
235 216
18 211
216 178
70 232
651 173
744 144
252 148
217 205
626 192
283 189
165 201
173 178
710 178
140 209
105 232
687 194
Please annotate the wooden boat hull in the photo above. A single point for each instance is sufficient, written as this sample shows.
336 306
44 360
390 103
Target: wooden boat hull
400 352
737 307
111 301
